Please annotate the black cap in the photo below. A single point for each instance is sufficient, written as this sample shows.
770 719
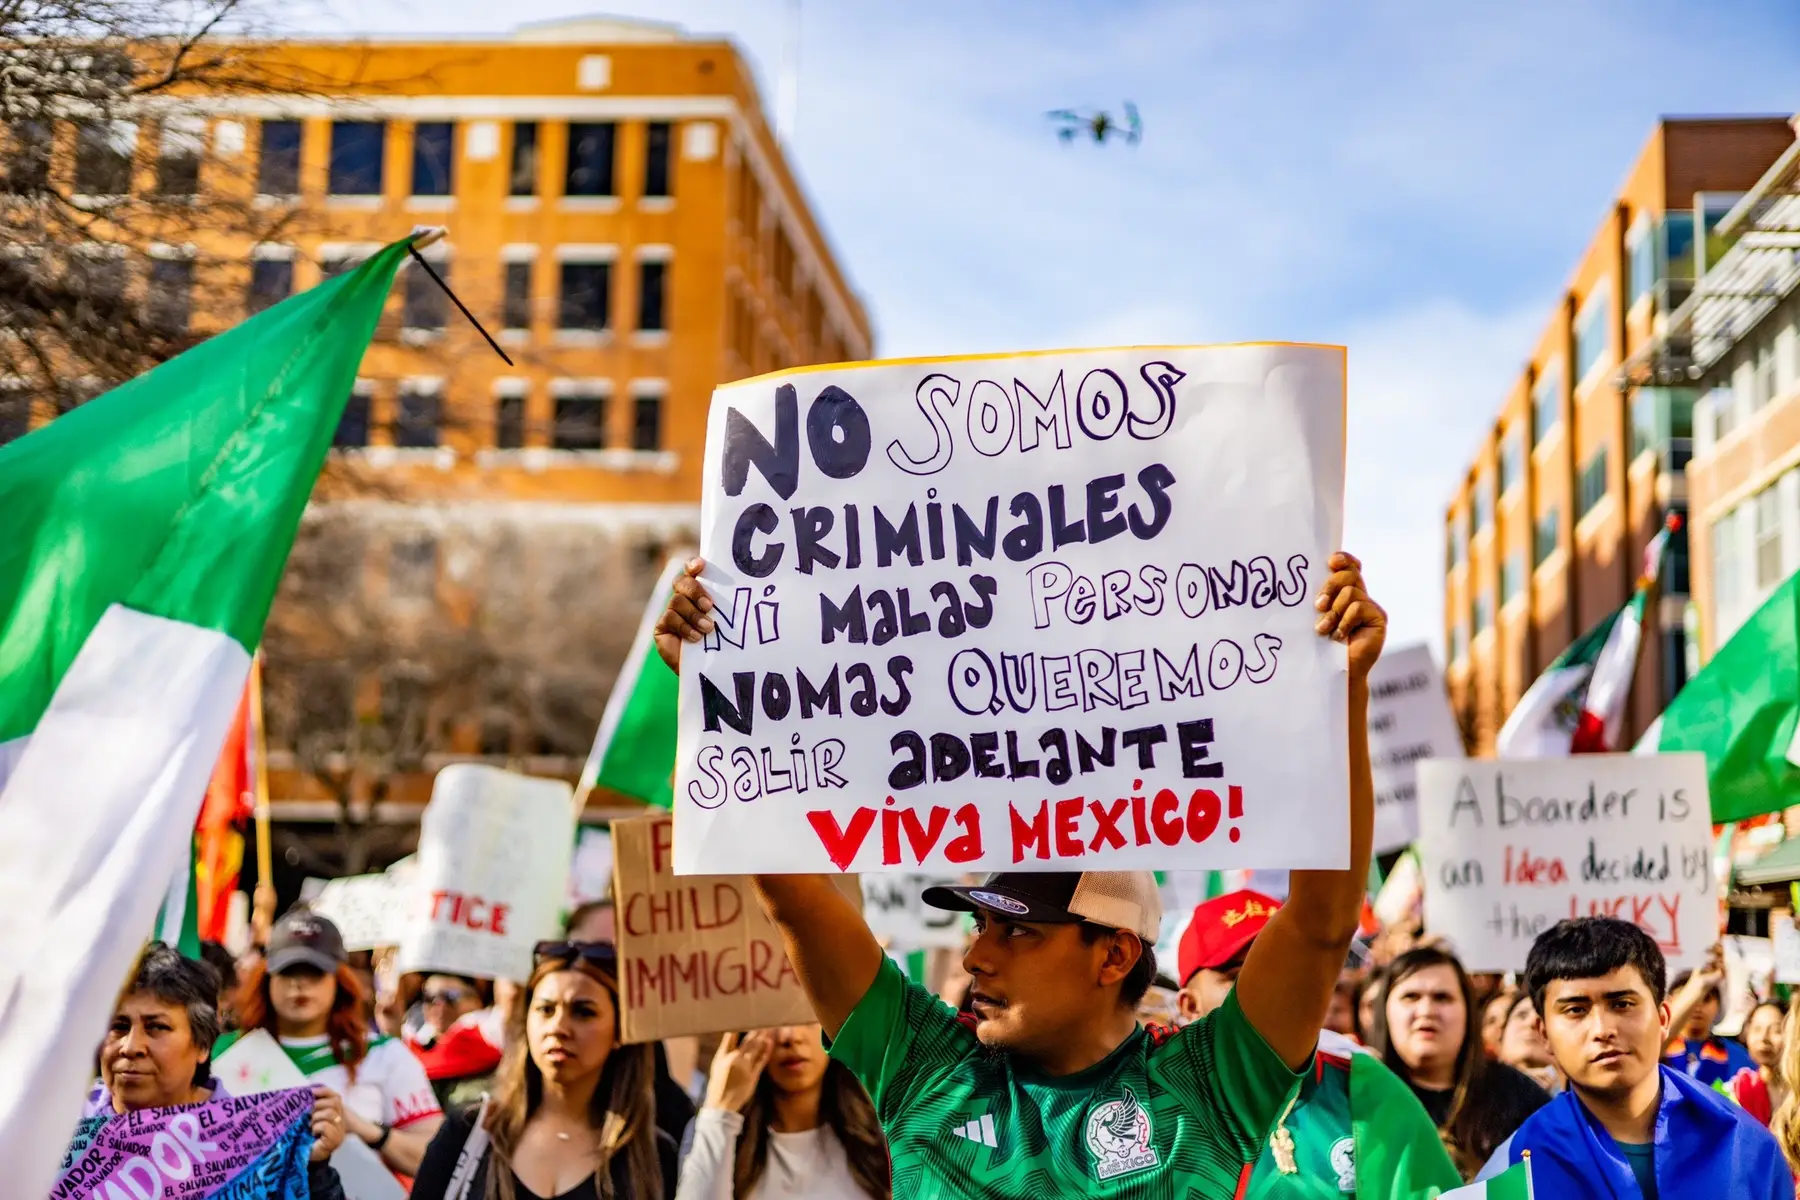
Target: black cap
305 939
1042 897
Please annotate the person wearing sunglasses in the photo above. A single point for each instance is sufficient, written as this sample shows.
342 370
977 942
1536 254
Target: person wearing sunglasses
461 1040
571 1116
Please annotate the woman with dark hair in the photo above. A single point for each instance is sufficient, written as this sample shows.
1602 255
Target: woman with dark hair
571 1117
307 997
158 1054
1426 1033
783 1122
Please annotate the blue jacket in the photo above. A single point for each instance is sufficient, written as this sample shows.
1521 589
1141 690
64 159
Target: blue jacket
1706 1148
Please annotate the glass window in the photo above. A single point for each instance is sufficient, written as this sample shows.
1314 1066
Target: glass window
1768 537
357 148
1512 576
652 282
1546 400
353 426
426 305
15 412
1483 503
584 303
1593 483
657 140
1727 585
1593 330
1764 391
413 568
1511 459
1641 262
1643 421
524 173
1678 243
516 308
416 423
590 159
103 151
1453 540
27 159
434 158
271 282
646 423
178 160
509 422
1459 641
1545 535
580 423
97 280
1484 612
1723 402
171 294
278 169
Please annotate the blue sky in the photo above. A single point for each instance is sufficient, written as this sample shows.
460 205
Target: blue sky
1412 180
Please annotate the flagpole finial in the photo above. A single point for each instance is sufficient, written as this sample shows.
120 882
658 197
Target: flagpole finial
1673 523
424 235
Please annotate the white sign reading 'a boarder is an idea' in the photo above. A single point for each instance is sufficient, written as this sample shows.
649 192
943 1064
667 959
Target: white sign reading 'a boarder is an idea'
1509 848
1039 611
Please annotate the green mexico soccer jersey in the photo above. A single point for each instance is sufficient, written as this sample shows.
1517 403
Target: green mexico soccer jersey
1164 1117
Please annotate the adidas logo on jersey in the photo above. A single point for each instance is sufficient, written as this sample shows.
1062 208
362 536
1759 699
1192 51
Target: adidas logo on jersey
980 1130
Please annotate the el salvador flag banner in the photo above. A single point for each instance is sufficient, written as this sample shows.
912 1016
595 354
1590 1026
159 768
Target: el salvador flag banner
230 1148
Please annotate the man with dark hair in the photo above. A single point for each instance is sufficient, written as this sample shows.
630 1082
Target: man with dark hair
1050 1087
1627 1126
1355 1128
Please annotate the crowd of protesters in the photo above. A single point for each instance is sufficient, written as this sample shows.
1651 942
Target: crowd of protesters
1302 1060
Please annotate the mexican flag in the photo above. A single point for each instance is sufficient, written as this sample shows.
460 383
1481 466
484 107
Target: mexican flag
1514 1183
634 749
145 534
1742 710
1578 704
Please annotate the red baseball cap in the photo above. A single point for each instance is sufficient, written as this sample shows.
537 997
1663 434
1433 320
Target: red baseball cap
1221 929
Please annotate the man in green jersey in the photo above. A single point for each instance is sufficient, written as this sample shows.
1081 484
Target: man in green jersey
1050 1087
1354 1129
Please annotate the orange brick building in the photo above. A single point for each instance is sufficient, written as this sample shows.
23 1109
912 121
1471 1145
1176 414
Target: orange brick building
624 221
1585 459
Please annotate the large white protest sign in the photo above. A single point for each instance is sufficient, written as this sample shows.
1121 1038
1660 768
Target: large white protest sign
896 914
1784 942
493 864
1509 848
1409 721
1046 610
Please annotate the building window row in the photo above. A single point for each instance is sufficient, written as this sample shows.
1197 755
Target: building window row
580 414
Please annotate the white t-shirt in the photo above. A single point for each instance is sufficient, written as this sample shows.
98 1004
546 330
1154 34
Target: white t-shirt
390 1087
802 1166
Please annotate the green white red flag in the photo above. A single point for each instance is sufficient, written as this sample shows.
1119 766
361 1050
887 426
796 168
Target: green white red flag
1577 706
146 534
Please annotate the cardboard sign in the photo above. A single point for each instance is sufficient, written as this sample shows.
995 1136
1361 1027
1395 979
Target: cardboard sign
493 864
1409 721
1749 972
1509 848
696 953
369 910
1045 611
256 1063
902 921
1784 938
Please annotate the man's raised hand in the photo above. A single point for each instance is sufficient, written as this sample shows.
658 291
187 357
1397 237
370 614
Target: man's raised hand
1348 615
686 619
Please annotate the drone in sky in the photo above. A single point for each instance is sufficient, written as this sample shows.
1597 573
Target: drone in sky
1098 123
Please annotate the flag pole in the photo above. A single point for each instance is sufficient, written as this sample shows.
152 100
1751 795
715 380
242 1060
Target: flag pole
263 911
